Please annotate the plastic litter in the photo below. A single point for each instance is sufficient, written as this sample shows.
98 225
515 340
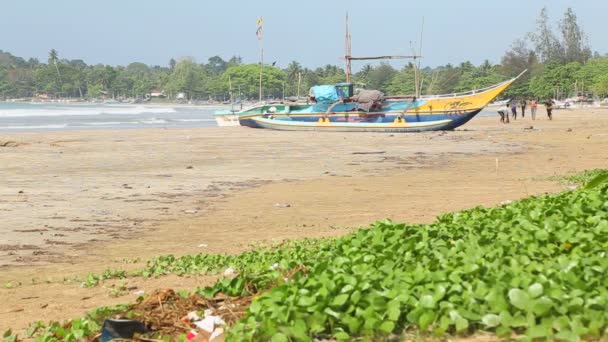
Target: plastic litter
230 273
121 329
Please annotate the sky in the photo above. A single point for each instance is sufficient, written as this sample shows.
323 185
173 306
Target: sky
118 32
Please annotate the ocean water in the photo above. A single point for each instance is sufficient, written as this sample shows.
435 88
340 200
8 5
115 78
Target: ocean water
60 116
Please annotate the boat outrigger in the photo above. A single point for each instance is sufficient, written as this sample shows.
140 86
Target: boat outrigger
339 108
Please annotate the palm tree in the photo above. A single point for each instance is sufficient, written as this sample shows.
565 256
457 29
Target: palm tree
53 58
294 71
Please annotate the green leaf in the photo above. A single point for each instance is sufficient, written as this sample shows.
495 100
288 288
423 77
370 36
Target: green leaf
8 333
353 323
537 331
355 297
491 320
387 327
339 300
78 333
299 330
535 290
519 299
597 181
561 323
342 336
503 332
305 301
541 305
567 335
332 313
426 319
255 307
461 324
393 310
279 337
427 302
506 319
541 235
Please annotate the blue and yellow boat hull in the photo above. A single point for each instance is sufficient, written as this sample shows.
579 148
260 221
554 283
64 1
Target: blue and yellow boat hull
431 113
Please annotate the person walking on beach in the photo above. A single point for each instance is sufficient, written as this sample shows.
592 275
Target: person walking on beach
523 107
533 106
549 106
506 113
514 109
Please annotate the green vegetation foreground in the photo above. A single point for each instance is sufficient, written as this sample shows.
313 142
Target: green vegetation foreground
536 268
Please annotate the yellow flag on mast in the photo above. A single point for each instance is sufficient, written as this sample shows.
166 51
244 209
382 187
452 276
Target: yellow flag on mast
259 32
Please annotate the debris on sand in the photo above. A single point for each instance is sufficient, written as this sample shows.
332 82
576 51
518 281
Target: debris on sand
10 143
370 152
166 313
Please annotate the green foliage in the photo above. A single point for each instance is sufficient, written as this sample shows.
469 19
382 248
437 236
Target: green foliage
403 82
600 86
8 336
187 77
73 330
92 279
247 77
380 77
580 178
256 261
95 90
554 77
477 78
535 268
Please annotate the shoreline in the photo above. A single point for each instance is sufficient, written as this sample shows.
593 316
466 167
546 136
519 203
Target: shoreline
145 104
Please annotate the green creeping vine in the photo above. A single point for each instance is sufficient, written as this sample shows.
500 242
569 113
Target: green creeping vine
536 268
579 178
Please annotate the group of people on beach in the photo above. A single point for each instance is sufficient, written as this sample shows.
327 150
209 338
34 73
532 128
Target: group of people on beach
523 105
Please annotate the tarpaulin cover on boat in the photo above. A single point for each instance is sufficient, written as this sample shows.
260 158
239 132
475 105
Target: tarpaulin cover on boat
324 93
367 98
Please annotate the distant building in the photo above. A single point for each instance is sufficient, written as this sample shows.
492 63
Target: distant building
157 93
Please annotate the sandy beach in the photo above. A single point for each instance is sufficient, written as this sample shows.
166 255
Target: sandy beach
73 202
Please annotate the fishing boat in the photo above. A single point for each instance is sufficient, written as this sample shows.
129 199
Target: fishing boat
359 113
228 117
340 108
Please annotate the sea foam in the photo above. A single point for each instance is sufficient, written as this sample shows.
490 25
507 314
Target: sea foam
84 111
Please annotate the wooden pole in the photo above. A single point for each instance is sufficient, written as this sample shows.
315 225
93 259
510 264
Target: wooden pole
230 87
230 90
299 81
347 55
261 70
419 88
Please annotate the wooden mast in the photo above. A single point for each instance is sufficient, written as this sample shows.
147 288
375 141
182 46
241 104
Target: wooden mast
299 81
348 55
260 35
261 71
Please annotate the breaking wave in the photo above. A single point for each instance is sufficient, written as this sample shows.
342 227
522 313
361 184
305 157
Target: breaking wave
84 111
38 127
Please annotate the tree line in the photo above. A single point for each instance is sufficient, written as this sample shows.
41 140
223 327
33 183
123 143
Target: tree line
558 63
